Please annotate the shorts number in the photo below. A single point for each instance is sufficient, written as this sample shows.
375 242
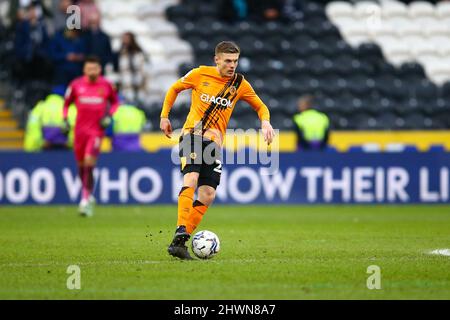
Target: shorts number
218 169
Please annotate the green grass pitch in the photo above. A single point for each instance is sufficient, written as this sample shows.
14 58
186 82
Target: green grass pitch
267 252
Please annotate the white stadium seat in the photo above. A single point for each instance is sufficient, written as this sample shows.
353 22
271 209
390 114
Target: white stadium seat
384 29
443 9
417 32
438 70
442 45
437 28
150 45
117 9
337 9
411 40
409 29
421 9
344 22
367 10
382 39
158 38
371 147
354 30
393 9
161 28
396 52
394 147
166 68
423 49
422 12
425 52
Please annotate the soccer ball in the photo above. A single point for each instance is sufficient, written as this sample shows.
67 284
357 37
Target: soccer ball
205 244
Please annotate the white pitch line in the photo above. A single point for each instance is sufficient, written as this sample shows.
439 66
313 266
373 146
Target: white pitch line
48 264
441 252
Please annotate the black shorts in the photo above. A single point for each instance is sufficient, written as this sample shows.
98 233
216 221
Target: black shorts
201 155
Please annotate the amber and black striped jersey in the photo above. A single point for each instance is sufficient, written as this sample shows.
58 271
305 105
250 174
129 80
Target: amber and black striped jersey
213 100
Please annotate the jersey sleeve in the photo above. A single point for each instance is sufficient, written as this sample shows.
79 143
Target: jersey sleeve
249 95
189 81
113 100
69 98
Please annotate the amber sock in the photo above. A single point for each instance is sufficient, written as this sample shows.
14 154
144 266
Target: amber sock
185 199
196 214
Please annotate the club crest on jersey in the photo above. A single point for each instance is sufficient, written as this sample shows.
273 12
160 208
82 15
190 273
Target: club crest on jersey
233 90
217 100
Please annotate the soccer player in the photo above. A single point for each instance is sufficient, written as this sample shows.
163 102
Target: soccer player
215 91
96 101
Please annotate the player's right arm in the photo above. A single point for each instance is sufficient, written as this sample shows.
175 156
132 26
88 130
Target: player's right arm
69 98
189 81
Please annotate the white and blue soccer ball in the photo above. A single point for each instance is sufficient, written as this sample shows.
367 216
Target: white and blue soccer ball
205 244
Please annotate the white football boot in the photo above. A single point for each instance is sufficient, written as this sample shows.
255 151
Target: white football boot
85 208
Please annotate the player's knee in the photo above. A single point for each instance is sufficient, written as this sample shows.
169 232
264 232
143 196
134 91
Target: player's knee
190 180
90 161
207 195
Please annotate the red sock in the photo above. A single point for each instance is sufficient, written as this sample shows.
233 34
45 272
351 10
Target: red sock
90 178
81 172
88 182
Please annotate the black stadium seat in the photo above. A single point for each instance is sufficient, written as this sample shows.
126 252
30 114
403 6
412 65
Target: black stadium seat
357 87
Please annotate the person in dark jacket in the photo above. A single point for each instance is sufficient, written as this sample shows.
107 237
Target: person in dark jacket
98 42
68 50
31 47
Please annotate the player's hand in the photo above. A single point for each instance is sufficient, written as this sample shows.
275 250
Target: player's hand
166 127
267 131
105 122
65 129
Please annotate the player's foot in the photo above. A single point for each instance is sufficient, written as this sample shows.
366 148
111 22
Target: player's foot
178 248
92 200
86 208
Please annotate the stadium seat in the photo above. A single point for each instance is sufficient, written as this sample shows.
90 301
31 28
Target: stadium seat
399 147
337 9
367 147
436 148
421 9
443 10
393 9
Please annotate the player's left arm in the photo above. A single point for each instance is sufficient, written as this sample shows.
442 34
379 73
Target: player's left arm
113 100
261 109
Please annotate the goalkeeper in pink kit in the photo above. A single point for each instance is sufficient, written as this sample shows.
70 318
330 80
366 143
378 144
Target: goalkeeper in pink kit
96 101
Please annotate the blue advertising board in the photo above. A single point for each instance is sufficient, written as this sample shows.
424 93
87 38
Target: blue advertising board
297 178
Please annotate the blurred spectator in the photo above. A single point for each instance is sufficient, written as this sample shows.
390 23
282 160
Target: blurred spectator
234 10
68 51
132 65
292 10
268 10
31 47
98 42
128 123
18 8
45 121
311 125
60 15
88 8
